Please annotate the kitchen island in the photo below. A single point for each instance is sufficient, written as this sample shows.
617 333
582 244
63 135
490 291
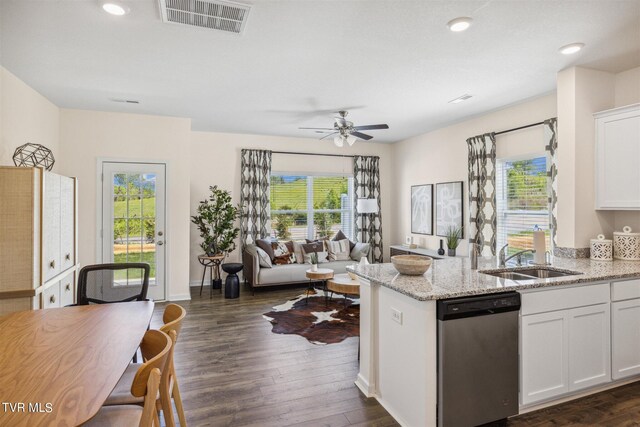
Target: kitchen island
589 321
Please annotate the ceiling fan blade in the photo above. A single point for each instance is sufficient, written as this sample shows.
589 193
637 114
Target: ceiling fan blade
318 128
371 127
361 135
328 135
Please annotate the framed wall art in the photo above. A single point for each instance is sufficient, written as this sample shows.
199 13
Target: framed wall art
422 209
449 208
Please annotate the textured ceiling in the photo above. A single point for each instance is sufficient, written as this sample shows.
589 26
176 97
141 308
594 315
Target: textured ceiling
388 61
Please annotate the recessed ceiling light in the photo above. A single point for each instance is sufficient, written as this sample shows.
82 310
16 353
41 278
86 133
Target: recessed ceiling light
459 24
115 8
571 48
460 99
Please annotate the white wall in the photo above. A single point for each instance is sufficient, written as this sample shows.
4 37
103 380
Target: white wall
25 116
215 160
441 156
89 135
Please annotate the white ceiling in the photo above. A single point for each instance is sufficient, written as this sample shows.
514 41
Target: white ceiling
390 61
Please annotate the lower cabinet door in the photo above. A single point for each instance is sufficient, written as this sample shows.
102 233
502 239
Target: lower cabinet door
67 290
589 346
544 356
625 338
51 296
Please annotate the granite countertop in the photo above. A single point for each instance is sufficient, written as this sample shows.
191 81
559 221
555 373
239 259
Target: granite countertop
453 277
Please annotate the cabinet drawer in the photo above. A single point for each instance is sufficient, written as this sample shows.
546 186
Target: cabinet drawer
559 299
67 290
394 252
51 296
625 289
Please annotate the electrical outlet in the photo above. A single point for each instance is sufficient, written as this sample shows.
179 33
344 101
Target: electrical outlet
396 315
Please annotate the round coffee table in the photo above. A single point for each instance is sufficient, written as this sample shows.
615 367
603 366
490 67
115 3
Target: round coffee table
343 284
319 275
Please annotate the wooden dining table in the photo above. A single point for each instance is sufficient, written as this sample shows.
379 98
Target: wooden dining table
59 365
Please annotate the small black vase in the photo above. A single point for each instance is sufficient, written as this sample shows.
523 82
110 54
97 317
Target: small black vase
451 252
441 250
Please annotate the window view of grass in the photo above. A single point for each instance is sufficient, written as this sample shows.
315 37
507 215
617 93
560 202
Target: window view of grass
291 214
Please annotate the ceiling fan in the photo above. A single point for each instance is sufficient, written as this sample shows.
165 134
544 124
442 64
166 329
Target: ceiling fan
344 130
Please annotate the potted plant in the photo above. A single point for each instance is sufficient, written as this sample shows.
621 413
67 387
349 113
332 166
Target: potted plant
313 257
215 220
453 240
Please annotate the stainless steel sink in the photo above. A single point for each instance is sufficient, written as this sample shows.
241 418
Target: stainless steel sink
529 273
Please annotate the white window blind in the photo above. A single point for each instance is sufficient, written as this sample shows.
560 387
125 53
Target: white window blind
311 207
522 202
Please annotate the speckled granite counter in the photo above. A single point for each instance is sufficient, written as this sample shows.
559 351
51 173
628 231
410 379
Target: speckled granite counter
453 277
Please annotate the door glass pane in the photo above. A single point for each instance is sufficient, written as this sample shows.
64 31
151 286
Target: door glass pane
134 234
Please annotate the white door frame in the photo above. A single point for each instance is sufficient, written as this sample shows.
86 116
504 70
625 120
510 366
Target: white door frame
99 210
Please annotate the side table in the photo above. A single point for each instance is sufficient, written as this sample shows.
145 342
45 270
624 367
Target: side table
322 275
343 284
213 263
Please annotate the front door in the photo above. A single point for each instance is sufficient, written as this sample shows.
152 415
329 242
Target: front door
133 220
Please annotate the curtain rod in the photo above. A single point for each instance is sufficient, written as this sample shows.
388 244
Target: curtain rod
518 128
311 154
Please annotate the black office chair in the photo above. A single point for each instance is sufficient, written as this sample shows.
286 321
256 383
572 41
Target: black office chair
113 283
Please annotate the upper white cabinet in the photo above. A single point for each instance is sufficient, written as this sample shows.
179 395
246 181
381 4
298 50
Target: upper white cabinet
37 238
618 158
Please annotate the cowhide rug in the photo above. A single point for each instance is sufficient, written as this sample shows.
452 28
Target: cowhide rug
317 322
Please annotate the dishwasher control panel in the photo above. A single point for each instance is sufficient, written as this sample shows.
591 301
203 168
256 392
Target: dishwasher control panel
477 305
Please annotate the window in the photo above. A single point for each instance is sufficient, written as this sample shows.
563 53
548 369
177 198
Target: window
522 202
311 207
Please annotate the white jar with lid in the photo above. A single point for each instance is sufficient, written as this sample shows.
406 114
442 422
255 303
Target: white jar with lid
601 249
626 245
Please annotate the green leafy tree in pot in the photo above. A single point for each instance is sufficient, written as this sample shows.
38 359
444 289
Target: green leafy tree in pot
215 220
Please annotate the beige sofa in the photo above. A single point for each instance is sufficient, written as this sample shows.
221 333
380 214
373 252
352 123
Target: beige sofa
257 276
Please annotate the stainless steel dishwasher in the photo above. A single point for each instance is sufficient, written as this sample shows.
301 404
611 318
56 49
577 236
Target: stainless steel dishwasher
477 359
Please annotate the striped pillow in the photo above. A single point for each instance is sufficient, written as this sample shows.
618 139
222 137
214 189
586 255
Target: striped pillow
339 250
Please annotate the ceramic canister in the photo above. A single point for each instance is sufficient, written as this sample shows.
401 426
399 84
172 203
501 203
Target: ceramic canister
601 249
626 245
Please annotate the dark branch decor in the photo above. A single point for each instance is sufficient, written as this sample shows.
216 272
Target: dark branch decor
32 155
215 220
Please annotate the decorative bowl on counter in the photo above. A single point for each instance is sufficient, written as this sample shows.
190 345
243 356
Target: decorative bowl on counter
411 265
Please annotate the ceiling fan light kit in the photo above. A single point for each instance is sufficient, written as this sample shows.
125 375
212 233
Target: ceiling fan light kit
344 130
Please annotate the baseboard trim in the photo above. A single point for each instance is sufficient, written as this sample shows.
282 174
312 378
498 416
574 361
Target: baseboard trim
364 387
180 297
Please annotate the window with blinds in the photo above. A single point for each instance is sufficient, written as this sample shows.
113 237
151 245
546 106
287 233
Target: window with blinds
311 207
522 202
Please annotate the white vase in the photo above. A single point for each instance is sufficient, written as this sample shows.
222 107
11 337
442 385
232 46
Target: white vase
364 261
314 267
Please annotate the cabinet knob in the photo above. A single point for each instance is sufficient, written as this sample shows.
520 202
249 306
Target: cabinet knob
52 264
67 257
160 243
68 287
52 299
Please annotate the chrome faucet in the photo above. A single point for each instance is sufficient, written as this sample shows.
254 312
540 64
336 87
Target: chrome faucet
518 255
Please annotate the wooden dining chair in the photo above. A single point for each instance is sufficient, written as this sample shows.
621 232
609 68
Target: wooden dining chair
156 347
172 318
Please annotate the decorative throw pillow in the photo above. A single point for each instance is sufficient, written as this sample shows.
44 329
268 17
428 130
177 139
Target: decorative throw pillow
322 257
265 245
340 236
339 251
282 254
297 251
263 258
360 250
317 246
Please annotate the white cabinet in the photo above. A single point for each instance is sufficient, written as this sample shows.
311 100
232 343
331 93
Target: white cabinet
589 346
618 158
67 222
544 356
565 341
50 226
625 337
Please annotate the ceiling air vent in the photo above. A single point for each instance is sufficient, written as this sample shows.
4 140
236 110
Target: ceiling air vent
215 14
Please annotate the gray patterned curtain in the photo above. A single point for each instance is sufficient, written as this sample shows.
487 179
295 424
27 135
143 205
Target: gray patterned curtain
482 192
255 169
551 147
366 183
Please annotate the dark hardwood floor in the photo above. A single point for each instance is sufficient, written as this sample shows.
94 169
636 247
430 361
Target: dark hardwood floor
234 372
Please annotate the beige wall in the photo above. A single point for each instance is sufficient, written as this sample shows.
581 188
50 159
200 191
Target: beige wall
441 156
215 160
25 116
89 135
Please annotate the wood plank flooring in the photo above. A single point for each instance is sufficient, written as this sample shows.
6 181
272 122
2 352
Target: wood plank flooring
234 372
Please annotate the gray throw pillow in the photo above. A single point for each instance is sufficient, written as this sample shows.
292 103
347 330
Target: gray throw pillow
263 258
360 250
